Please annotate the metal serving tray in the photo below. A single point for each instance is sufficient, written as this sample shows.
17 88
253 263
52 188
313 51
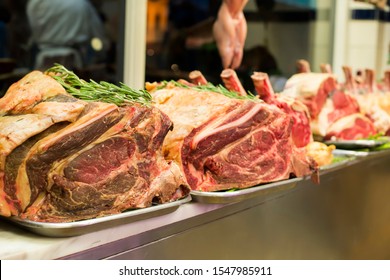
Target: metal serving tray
224 197
91 225
349 153
357 144
360 154
345 158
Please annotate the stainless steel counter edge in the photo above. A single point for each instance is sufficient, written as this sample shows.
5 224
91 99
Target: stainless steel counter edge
16 243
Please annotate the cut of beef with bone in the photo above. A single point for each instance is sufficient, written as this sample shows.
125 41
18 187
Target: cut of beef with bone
100 160
329 104
311 88
106 166
373 100
351 127
15 130
223 143
301 132
31 89
197 78
230 79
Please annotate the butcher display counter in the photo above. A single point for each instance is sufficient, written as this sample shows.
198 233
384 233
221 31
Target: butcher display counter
346 216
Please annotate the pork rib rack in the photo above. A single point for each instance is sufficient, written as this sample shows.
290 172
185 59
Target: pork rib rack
64 160
226 142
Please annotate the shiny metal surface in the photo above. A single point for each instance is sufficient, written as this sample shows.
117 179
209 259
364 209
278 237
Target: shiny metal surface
351 153
91 225
347 216
342 160
266 190
358 144
362 153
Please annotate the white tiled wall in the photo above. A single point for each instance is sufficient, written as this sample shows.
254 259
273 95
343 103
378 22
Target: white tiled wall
383 49
290 41
364 43
290 44
367 43
256 34
320 44
363 33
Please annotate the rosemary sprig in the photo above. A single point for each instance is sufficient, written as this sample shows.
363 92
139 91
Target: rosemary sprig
213 88
94 91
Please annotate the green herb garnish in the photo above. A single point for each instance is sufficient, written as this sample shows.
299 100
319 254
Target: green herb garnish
337 159
213 88
377 136
380 137
94 91
384 146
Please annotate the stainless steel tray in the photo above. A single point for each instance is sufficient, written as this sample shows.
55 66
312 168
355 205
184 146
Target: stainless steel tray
357 144
349 153
91 225
361 154
344 158
243 194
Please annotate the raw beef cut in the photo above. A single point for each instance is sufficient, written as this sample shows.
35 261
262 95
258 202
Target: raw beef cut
303 66
301 132
338 105
74 164
326 68
223 143
312 89
31 89
351 127
331 104
197 78
373 99
230 79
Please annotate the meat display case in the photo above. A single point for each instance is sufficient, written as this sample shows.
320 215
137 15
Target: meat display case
346 216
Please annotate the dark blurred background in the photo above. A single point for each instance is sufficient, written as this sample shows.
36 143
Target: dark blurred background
179 40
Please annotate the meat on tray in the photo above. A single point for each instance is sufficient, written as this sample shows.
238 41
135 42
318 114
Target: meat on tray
336 113
63 159
225 141
301 132
373 98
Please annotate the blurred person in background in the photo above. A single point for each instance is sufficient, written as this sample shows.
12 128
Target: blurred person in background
4 19
15 59
69 32
204 33
230 31
17 32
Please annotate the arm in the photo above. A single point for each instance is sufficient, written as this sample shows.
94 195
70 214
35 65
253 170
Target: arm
230 31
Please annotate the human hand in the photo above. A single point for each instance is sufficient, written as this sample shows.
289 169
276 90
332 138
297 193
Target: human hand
230 30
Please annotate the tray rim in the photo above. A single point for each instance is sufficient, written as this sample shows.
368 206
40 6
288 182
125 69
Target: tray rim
359 143
242 194
350 153
350 158
86 226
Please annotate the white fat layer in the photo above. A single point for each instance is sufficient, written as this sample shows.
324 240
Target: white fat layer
60 111
345 122
22 182
215 126
305 85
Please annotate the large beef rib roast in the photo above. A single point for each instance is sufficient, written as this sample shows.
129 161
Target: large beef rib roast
63 159
224 139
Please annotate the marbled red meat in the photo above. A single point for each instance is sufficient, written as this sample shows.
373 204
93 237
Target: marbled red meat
99 160
301 132
223 143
